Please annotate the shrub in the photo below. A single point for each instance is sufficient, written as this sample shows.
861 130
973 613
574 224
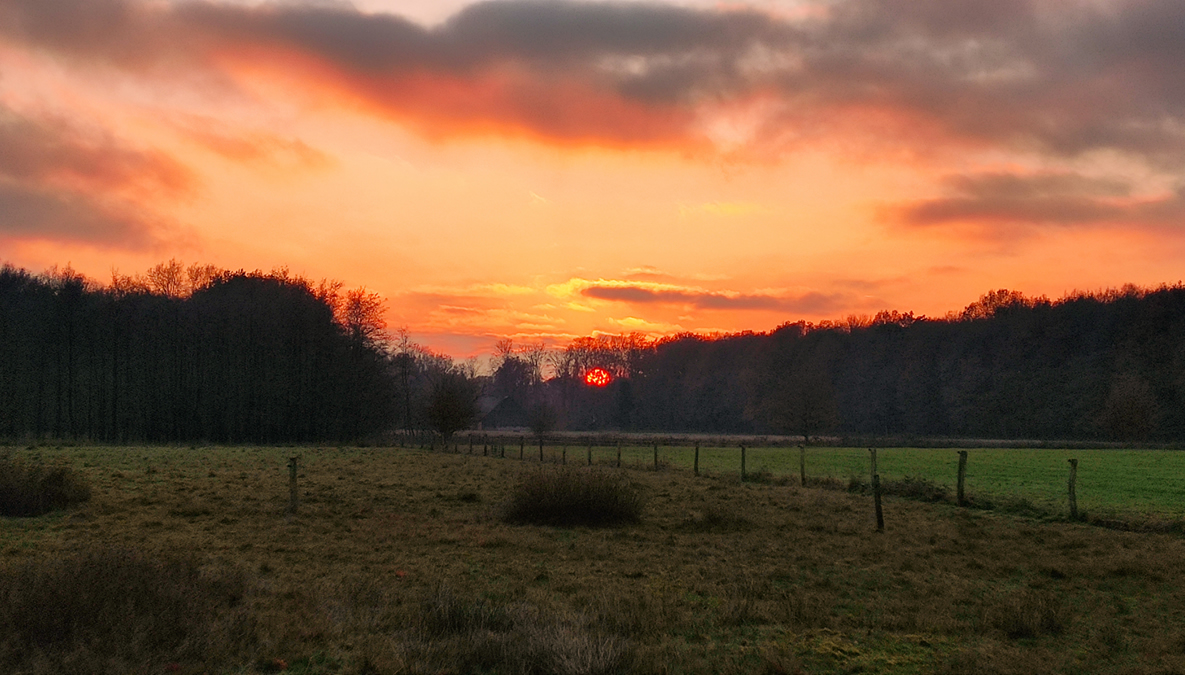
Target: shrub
105 610
32 489
564 496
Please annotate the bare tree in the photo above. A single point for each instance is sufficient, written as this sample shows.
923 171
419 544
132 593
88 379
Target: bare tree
167 278
362 315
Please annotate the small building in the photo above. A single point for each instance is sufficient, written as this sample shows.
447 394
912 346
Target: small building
501 412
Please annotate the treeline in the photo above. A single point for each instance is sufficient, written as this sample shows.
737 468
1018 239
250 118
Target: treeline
190 354
193 354
1091 366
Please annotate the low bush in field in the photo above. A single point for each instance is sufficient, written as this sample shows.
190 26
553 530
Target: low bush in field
574 497
116 611
32 489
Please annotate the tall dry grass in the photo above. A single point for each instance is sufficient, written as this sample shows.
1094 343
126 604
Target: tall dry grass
31 489
118 610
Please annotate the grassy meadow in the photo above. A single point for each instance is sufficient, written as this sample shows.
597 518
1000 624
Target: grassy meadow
1141 484
400 561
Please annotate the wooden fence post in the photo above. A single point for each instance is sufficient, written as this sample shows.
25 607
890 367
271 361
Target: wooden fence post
876 498
590 454
744 476
564 456
619 454
962 478
872 452
802 465
540 448
876 493
697 458
485 446
656 455
1073 489
293 493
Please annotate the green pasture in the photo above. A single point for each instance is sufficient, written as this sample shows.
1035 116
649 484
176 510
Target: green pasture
1122 482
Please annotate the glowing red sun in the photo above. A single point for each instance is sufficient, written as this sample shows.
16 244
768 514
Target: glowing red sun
597 377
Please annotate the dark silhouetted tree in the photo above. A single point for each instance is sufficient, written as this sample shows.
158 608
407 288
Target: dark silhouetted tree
452 404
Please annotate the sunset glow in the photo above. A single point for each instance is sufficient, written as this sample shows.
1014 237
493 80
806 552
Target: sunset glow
547 169
598 377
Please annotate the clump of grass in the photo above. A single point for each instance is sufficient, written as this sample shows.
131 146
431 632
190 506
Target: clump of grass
918 489
480 636
1027 613
715 519
448 632
563 496
28 490
763 476
114 611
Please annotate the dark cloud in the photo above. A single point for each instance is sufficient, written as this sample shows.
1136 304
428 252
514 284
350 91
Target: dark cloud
1065 77
32 213
58 182
809 303
1063 199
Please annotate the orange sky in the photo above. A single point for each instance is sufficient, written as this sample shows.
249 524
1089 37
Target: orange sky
545 170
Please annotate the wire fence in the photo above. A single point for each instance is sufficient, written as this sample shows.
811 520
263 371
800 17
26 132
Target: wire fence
1120 482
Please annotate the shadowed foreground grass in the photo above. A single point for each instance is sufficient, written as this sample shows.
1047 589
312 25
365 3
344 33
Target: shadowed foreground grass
399 562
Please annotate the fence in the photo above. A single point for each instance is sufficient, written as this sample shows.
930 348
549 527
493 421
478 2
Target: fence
1105 482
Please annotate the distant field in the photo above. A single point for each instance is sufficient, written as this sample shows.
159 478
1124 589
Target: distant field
1110 482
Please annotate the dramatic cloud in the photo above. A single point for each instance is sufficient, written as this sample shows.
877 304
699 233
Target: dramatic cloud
1063 199
28 213
1065 78
809 303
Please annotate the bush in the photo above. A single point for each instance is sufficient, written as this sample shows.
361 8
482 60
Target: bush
113 610
574 497
32 490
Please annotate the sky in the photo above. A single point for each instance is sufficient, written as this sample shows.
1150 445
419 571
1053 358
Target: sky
544 169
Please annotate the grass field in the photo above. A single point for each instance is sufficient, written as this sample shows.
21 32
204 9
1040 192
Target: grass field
398 562
1140 483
